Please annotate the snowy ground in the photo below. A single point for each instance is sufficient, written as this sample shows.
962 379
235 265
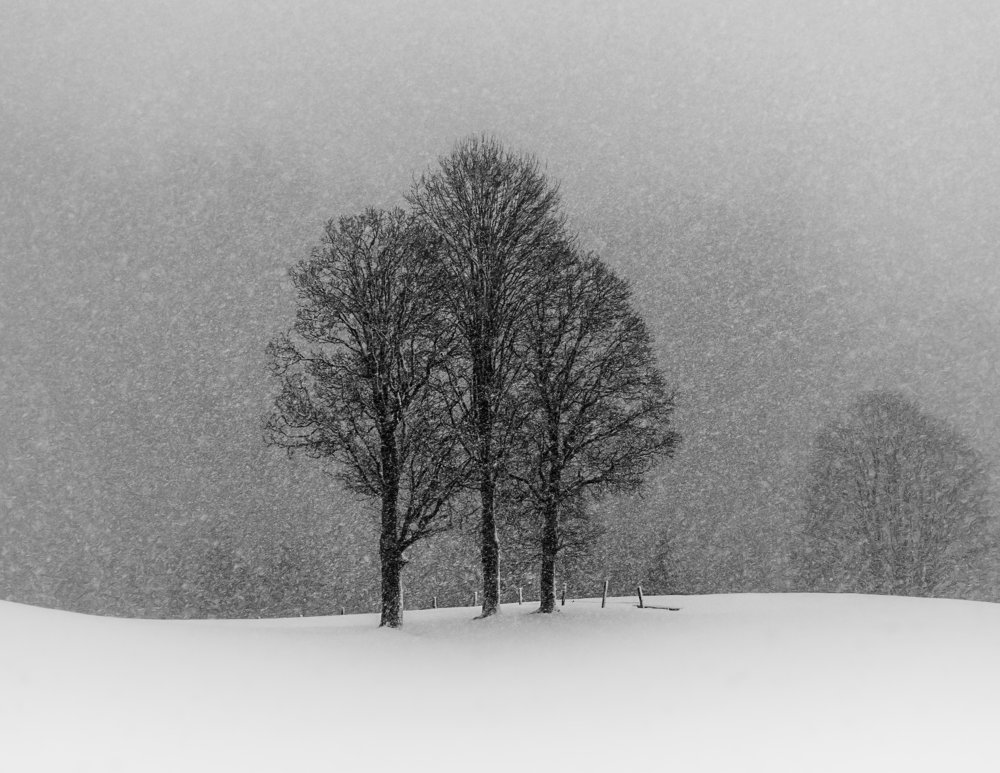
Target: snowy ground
728 683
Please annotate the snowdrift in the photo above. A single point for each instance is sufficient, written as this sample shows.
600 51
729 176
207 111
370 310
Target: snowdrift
726 683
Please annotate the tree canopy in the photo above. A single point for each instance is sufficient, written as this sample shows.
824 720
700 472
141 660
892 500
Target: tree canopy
896 500
362 379
496 219
598 412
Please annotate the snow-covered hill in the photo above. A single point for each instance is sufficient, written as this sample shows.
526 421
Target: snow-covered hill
727 683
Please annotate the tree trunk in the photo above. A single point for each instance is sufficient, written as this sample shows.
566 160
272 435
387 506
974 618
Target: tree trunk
482 380
390 555
550 546
490 548
550 515
392 570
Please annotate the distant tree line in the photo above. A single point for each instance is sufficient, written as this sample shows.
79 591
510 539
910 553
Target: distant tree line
893 500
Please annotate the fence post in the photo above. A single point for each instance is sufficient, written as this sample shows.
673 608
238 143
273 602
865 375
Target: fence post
604 595
435 602
564 595
475 598
641 605
520 595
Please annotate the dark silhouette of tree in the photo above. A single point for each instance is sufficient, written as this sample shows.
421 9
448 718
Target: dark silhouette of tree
494 215
362 383
598 412
895 502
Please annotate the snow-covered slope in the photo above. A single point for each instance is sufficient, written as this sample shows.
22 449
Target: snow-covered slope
727 683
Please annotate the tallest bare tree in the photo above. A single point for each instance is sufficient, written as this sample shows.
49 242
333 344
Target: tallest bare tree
496 218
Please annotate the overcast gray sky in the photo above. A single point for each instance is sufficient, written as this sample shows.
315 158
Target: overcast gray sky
803 194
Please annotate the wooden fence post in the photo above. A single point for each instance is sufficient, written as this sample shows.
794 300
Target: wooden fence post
435 602
564 595
641 605
604 595
520 595
475 598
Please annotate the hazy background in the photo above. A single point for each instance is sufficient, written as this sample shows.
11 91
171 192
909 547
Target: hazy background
804 195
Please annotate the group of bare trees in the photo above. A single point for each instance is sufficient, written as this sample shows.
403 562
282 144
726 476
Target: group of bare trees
466 357
465 360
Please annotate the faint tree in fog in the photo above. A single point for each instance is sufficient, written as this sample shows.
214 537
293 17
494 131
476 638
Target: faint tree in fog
598 411
495 217
661 573
361 380
895 502
226 573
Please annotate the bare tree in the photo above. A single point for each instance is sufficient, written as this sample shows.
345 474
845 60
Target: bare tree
361 380
598 411
495 217
895 503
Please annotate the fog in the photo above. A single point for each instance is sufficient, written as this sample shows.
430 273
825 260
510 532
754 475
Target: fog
804 196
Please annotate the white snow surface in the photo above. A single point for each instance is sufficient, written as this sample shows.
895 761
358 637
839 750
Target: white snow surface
797 682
